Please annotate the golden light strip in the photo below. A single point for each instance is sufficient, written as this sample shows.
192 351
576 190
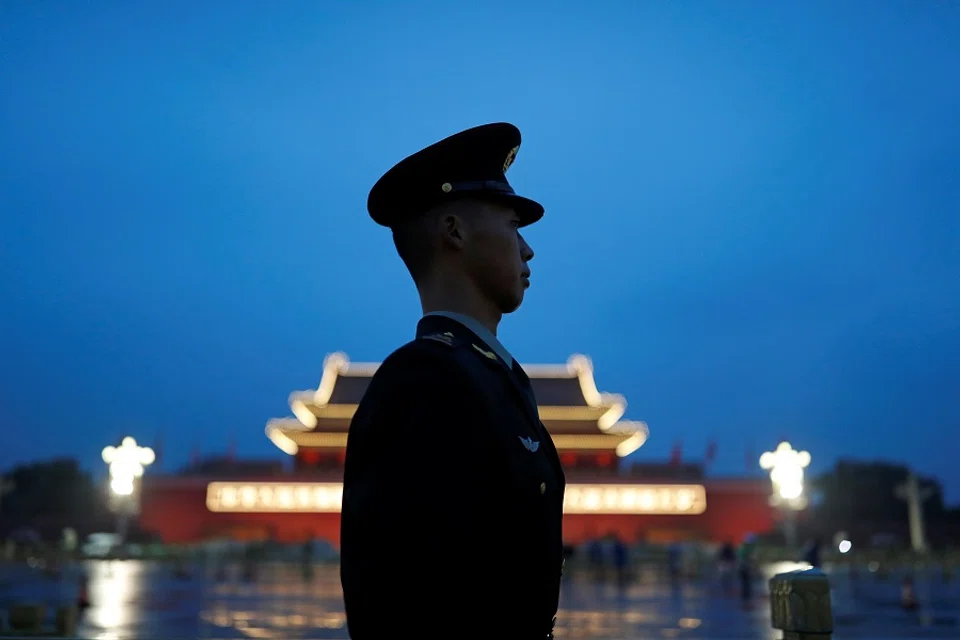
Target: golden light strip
666 499
547 412
622 444
597 442
326 497
267 497
551 412
320 440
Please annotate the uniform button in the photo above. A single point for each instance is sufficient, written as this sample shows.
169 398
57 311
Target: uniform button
543 487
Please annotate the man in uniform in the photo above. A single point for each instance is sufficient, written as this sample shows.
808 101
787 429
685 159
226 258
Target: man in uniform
453 490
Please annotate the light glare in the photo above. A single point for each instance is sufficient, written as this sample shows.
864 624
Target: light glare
126 464
786 466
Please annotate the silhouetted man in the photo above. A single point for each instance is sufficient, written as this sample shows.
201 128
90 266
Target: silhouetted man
453 491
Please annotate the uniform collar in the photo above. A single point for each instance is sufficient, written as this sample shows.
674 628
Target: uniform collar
480 331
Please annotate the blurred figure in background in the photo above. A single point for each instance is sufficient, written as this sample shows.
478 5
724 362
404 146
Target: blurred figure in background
306 559
726 566
812 553
745 560
621 560
675 561
595 555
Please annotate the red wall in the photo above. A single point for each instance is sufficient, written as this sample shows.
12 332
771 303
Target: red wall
175 508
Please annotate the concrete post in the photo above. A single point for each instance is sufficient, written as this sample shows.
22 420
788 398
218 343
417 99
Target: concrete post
800 605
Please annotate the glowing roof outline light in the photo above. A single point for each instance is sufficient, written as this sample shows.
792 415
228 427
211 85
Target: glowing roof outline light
327 497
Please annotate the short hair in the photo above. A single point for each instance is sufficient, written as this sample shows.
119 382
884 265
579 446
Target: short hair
415 237
414 244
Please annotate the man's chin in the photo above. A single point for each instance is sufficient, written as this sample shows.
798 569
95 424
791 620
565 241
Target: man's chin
509 306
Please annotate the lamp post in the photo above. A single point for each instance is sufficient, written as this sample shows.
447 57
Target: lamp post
786 466
127 463
911 492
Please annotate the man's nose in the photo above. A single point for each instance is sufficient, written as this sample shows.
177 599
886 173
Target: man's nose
525 251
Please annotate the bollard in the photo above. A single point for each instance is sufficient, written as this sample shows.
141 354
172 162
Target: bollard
800 605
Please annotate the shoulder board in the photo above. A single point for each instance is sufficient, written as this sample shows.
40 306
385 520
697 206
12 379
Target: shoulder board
445 338
489 354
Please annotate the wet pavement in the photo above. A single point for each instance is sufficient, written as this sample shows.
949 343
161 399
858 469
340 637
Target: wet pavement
139 600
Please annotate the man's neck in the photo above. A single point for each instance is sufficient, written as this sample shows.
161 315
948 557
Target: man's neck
468 305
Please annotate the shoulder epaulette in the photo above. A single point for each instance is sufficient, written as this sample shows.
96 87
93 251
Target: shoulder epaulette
446 338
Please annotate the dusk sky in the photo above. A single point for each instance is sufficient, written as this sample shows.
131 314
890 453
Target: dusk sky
752 213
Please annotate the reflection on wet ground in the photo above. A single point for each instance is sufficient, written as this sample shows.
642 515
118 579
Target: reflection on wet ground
133 599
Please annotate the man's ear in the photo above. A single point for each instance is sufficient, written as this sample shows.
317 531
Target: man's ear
452 229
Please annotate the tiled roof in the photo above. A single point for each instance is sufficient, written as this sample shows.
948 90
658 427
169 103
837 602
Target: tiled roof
349 389
558 392
568 400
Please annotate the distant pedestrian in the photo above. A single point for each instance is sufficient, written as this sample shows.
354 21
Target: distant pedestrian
675 561
812 553
727 565
621 560
306 559
595 555
745 562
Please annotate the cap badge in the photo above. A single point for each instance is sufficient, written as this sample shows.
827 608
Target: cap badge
511 156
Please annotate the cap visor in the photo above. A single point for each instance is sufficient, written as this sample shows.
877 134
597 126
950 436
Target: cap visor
529 211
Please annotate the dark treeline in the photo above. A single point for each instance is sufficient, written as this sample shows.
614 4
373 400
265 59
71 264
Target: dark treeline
855 497
860 498
47 496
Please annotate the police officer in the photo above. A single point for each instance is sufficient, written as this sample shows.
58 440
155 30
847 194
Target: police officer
453 491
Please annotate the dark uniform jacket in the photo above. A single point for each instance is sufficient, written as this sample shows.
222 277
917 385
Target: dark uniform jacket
452 499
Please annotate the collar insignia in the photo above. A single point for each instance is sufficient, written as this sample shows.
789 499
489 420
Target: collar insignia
489 354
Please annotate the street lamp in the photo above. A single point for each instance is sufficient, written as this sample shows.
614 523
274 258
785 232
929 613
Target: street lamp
786 466
915 496
127 463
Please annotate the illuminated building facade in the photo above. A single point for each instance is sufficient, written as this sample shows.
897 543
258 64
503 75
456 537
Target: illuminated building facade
587 428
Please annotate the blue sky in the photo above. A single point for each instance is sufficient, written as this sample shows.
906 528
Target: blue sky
752 212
